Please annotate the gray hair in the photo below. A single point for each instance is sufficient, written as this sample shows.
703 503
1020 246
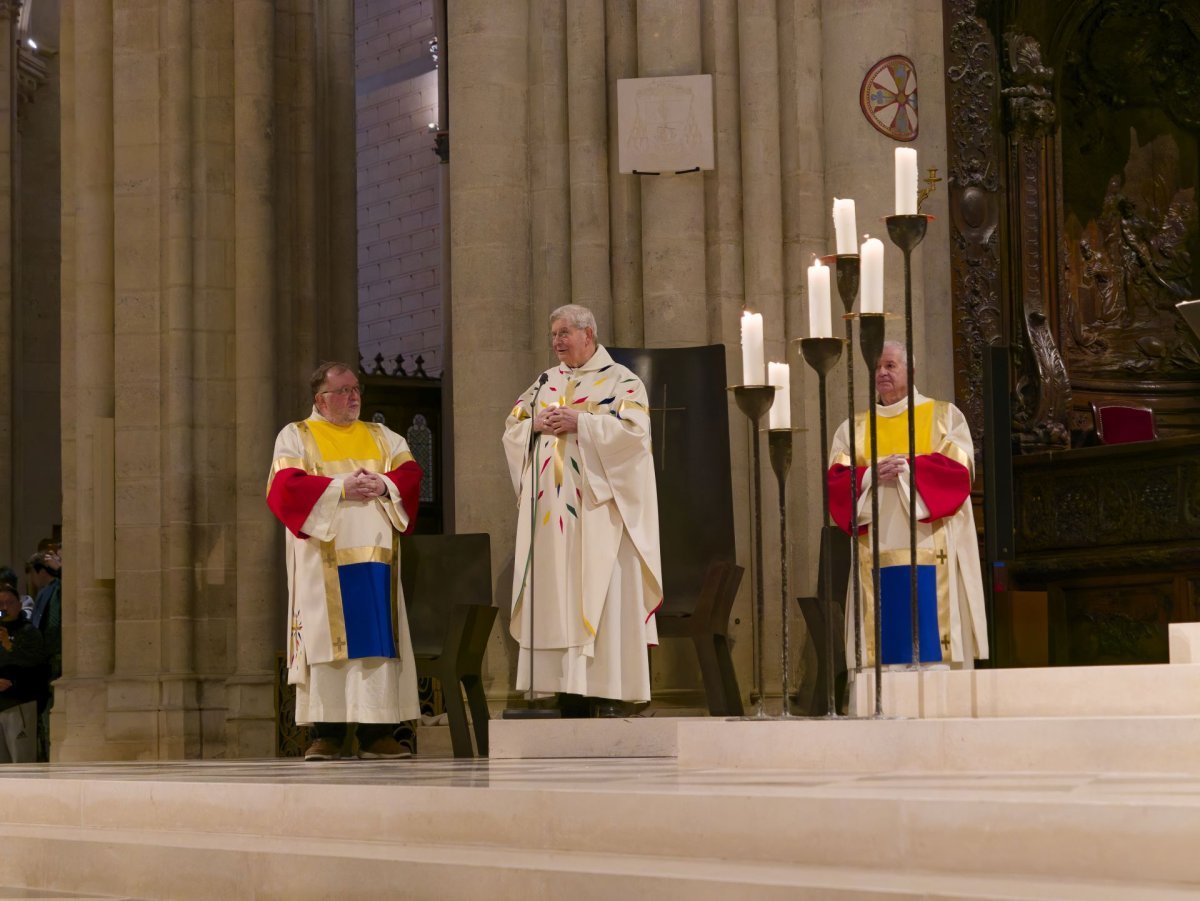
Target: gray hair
899 347
577 316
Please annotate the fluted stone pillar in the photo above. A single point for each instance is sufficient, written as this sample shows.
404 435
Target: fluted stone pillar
673 238
497 350
804 235
251 716
859 160
549 169
78 727
625 194
173 335
587 136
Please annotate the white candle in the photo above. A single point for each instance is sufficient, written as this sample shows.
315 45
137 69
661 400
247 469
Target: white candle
780 375
871 254
843 225
752 349
820 319
906 181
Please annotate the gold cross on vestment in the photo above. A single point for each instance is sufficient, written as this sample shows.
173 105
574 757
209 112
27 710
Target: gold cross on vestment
662 428
940 556
339 645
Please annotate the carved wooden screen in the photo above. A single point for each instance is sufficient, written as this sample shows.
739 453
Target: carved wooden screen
1074 156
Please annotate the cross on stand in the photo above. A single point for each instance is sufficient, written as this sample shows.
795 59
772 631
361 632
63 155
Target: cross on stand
662 429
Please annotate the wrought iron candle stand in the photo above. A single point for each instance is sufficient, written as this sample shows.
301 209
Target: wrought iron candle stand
870 338
906 232
754 401
779 448
847 270
822 354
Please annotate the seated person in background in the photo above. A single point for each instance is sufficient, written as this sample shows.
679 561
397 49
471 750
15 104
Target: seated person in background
8 576
24 680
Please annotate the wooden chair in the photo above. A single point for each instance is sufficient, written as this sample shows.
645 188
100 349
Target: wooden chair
447 582
1117 424
707 625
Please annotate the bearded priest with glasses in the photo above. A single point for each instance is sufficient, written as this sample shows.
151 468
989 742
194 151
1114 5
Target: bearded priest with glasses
345 490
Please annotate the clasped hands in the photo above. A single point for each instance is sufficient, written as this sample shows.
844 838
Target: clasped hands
557 420
363 485
891 467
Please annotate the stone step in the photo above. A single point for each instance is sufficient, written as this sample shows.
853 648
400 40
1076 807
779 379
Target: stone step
1016 745
1077 691
643 736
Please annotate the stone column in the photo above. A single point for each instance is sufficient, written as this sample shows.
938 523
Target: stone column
338 174
78 728
673 235
762 216
804 218
549 172
250 724
625 194
180 693
587 136
496 353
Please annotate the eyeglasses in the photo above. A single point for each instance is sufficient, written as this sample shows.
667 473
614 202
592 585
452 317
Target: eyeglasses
345 392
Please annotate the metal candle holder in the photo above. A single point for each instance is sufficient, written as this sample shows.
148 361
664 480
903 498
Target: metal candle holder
822 354
870 337
847 269
779 448
906 232
754 401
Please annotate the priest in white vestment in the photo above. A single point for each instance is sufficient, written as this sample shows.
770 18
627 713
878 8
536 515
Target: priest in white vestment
953 630
586 492
345 490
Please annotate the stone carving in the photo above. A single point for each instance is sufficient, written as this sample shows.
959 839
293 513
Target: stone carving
974 202
1128 267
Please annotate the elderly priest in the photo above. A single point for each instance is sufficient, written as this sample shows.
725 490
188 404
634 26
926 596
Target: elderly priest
949 584
578 448
345 490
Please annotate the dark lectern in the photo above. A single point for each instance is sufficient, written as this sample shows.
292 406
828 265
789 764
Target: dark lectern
689 424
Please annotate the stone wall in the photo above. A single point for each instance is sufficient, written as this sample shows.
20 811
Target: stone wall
399 202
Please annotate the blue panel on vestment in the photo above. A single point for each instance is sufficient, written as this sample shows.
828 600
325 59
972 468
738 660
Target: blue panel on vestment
367 605
895 592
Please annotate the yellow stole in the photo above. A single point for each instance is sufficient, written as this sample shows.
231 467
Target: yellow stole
893 433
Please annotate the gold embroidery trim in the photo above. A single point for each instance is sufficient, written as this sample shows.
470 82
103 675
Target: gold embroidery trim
348 556
280 464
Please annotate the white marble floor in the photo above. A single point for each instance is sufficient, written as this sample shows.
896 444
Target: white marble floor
612 825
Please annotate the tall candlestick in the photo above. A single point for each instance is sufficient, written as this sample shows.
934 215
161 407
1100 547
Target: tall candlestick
906 181
752 349
871 253
843 225
779 375
820 319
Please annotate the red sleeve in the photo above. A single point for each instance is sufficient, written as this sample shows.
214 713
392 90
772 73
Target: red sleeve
839 495
943 483
292 496
407 479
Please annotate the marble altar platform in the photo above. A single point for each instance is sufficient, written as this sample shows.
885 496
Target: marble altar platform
1019 784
